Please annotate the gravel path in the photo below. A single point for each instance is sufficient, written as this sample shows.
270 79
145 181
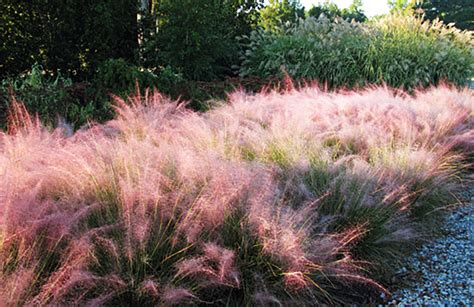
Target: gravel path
443 270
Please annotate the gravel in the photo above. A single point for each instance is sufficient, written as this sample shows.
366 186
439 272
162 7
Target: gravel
441 272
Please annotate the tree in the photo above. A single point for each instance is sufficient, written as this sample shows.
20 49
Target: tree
19 41
67 35
332 11
279 12
354 12
402 6
247 14
328 9
459 12
355 5
197 37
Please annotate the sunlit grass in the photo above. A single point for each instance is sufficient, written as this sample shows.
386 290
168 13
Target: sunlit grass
274 198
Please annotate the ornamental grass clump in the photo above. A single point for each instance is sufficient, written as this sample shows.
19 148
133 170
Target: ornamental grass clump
410 52
398 50
277 198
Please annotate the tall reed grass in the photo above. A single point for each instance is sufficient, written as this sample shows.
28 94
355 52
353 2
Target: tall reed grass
399 50
275 198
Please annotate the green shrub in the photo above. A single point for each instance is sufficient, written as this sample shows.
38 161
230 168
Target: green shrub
51 95
118 77
402 51
458 11
47 95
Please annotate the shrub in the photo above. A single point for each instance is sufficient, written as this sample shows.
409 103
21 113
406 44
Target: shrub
52 95
275 198
121 77
118 77
49 96
402 51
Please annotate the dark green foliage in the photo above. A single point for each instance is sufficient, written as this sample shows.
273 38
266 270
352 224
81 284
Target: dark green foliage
75 37
460 12
331 11
197 37
118 77
70 36
193 37
18 37
248 14
51 96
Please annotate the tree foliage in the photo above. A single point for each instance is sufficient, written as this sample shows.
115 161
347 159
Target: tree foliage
71 36
402 6
332 11
459 12
197 37
278 12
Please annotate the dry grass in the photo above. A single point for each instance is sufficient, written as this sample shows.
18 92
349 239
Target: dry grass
273 198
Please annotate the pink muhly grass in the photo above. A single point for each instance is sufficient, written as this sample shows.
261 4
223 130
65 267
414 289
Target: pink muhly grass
147 115
229 187
283 243
286 235
263 298
19 120
296 280
14 290
174 296
151 288
141 203
216 265
71 273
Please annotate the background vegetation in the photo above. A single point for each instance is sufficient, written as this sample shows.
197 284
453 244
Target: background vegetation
459 12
